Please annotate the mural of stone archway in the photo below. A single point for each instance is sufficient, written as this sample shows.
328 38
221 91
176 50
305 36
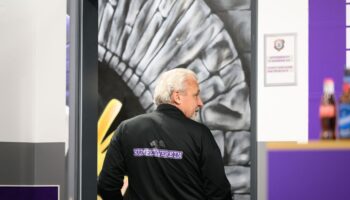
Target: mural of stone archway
139 39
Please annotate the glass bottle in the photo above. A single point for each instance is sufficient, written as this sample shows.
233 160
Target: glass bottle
328 110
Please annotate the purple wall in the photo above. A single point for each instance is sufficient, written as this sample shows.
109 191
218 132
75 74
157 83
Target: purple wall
327 56
321 175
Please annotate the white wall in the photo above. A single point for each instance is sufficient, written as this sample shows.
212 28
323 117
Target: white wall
32 77
282 111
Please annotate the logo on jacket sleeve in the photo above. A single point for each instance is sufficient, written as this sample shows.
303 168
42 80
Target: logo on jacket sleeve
159 144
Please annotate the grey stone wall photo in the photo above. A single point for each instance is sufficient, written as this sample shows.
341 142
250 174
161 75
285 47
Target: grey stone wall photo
140 39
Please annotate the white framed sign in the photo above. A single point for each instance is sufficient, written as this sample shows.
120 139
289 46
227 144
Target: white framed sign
280 59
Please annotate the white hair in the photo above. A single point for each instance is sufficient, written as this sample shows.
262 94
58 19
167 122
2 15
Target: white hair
170 81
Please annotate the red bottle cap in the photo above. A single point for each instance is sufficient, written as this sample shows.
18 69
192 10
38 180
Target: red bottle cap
346 87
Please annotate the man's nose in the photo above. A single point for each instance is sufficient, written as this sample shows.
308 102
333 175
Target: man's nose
200 102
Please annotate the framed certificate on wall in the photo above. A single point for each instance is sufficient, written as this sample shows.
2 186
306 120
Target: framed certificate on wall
280 59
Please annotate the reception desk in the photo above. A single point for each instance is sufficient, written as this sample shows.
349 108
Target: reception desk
318 170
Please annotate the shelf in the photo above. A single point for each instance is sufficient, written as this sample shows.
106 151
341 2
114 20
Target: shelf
311 145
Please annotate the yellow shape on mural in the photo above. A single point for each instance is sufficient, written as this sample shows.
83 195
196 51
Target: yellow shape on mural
104 123
106 119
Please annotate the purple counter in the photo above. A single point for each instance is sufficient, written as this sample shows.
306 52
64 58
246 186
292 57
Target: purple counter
309 174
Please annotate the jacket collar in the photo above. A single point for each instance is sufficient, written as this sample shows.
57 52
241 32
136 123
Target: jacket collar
171 109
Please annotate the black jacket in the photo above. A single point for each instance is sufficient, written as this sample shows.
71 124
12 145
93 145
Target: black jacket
166 156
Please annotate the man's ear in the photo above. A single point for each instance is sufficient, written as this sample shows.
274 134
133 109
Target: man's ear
176 97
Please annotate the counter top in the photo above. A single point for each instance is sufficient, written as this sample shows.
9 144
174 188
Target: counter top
311 145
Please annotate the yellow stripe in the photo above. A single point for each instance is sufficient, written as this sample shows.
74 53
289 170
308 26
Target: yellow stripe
107 117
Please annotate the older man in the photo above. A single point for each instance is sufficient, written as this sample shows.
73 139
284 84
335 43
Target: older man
166 154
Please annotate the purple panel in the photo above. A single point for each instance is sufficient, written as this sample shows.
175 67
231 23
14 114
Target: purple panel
327 56
28 193
67 57
309 175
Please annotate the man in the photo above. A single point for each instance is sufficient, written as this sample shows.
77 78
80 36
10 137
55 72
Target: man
166 154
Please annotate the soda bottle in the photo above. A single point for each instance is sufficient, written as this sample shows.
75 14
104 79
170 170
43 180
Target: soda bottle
344 108
328 110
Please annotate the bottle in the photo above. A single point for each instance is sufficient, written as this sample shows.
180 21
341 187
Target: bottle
328 110
344 108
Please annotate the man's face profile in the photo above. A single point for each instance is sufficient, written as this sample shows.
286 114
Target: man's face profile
189 100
